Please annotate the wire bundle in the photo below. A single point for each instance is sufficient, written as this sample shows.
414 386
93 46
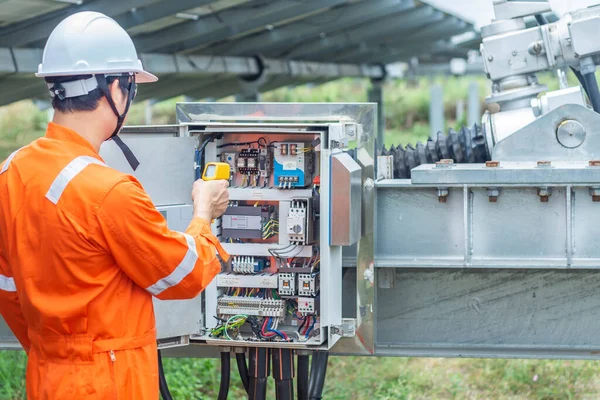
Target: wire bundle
270 229
269 329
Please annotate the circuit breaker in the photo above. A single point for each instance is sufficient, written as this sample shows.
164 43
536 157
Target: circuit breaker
283 283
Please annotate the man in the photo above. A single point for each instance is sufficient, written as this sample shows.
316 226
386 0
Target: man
82 248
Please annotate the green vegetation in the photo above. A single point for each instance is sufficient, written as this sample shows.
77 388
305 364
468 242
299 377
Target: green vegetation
357 378
406 108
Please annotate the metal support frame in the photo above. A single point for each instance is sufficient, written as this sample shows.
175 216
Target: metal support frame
153 12
473 105
189 36
272 43
375 95
39 28
388 27
436 110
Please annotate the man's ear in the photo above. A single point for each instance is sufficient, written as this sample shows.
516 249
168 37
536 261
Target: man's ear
117 95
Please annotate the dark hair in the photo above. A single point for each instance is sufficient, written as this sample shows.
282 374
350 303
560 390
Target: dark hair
87 102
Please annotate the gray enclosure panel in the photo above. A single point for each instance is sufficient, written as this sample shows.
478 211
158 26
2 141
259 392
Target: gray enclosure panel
490 313
412 224
166 168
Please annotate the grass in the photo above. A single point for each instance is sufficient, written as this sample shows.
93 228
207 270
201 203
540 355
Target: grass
406 108
356 378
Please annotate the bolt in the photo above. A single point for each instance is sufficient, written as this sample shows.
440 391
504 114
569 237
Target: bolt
544 164
595 193
537 48
514 53
369 184
493 194
544 193
492 164
445 163
490 58
594 163
442 194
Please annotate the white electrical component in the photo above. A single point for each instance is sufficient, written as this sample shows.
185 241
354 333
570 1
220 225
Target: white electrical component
307 285
262 281
287 284
297 222
233 305
306 305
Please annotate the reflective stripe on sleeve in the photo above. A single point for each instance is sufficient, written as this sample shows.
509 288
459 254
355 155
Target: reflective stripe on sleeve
67 174
8 160
185 267
7 284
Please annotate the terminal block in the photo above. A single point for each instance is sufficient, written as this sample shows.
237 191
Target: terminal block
234 305
260 281
307 285
287 284
248 265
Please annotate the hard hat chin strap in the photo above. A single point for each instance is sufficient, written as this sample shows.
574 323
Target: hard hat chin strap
103 86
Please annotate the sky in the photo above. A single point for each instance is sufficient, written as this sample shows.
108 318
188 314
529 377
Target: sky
480 12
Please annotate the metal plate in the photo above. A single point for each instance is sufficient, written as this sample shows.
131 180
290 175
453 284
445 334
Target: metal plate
166 165
507 173
541 314
538 141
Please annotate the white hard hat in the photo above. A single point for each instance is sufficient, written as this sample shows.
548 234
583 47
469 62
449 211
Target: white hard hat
90 43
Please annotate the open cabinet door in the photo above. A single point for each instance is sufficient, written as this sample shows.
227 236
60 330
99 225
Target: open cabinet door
166 172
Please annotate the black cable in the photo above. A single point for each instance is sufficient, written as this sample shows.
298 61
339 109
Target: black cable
283 373
259 370
316 392
163 387
225 375
313 370
303 368
593 92
240 358
200 153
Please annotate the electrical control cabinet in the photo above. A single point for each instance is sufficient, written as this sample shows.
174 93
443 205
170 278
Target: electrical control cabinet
282 285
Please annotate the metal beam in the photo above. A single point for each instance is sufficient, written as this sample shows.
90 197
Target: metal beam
152 12
409 46
268 43
180 74
384 28
230 22
39 28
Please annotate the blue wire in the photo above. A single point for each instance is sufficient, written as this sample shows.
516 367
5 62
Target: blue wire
311 327
269 329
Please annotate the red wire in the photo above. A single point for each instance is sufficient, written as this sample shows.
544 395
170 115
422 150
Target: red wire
307 324
263 330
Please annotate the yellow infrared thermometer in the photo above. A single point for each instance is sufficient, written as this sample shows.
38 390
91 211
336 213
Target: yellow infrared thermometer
215 171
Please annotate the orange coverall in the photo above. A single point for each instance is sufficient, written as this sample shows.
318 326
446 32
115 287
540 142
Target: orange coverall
82 252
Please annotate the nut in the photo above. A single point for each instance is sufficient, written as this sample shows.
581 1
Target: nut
544 193
445 163
595 193
493 194
542 164
492 164
442 194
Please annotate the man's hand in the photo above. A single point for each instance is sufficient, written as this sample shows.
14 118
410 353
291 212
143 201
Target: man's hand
211 198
